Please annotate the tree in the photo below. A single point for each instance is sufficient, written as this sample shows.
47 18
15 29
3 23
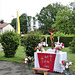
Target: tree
13 23
47 16
65 21
23 23
2 21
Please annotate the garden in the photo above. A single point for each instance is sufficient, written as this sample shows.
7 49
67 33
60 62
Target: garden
17 47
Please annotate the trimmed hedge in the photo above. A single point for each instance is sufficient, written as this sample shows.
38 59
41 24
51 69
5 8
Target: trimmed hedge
10 42
29 42
63 39
72 47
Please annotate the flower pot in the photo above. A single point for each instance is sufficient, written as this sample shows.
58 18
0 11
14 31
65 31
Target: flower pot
29 66
67 71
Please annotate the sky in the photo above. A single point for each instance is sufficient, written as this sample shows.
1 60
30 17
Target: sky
8 8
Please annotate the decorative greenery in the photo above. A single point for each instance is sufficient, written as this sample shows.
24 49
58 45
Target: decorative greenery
72 47
30 42
28 60
10 42
67 65
59 46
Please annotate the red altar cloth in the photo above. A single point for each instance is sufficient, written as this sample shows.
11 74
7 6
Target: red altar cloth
46 60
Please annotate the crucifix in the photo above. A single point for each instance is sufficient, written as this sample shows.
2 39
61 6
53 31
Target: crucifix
51 37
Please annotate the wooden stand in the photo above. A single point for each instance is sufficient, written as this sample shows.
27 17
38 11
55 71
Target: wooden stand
41 69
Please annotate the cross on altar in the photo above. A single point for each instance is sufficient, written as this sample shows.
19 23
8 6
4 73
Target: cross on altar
51 37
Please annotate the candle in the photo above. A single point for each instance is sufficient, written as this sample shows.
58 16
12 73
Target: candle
46 39
58 39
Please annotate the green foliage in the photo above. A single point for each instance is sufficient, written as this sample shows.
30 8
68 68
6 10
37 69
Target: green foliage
1 21
47 16
23 23
18 56
65 21
72 47
10 41
36 31
13 23
31 41
63 39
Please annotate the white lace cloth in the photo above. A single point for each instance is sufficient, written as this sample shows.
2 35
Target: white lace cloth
59 57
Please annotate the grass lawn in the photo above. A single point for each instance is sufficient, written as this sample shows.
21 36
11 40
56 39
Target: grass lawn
20 54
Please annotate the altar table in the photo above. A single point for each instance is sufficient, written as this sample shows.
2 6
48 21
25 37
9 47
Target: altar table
51 61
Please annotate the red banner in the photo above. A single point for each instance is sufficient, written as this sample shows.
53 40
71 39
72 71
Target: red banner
46 60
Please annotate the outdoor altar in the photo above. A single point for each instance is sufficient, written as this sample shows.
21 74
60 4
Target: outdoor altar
50 58
50 61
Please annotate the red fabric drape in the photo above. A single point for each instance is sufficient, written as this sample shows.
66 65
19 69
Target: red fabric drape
46 60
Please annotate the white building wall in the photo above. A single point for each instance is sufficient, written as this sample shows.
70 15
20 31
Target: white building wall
8 28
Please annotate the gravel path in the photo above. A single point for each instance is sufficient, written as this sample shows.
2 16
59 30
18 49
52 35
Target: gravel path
12 68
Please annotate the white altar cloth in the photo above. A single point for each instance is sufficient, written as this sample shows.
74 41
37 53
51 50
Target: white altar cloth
59 57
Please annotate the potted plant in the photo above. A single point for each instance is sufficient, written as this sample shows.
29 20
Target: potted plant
29 60
66 64
59 47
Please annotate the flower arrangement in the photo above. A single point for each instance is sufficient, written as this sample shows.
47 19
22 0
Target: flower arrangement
28 59
40 46
66 64
59 46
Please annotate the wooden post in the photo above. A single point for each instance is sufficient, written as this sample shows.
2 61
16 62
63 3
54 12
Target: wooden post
35 71
45 72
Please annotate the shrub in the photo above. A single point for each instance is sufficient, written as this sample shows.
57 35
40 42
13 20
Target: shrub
30 42
72 47
10 42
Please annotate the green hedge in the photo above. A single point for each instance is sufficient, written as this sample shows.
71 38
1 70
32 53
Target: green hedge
64 39
29 42
10 42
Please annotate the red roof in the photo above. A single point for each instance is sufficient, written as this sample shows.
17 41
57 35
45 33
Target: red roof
2 25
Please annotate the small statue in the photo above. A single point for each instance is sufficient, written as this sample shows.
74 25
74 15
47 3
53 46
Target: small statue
51 37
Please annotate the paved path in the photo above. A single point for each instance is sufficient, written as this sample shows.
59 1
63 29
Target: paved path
12 68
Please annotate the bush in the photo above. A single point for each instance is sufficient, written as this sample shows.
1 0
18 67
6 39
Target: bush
72 47
10 42
30 42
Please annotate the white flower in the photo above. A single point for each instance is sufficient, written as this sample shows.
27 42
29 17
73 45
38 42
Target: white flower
30 58
26 59
66 66
57 46
46 44
70 63
62 46
39 45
